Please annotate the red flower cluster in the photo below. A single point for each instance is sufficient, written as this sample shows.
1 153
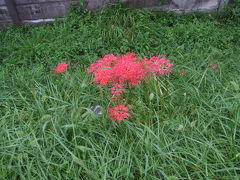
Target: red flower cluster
61 67
157 65
214 65
128 69
119 71
117 89
119 113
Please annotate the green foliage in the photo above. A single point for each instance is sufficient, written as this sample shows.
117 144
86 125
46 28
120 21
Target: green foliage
87 35
47 128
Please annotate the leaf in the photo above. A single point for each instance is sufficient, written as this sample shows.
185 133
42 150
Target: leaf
68 126
180 127
46 116
84 148
83 85
172 177
77 160
151 96
59 107
193 124
235 85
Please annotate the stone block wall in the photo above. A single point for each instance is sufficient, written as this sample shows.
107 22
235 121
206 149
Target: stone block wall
33 11
38 11
5 18
170 5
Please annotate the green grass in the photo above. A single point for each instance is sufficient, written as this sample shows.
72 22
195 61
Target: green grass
192 129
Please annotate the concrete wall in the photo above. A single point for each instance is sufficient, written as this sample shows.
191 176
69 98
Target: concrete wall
4 15
37 11
170 5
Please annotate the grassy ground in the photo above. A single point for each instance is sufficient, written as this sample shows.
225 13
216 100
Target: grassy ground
47 130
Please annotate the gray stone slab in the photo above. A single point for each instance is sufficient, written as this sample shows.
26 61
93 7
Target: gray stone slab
142 3
169 5
2 2
36 1
180 6
42 11
4 15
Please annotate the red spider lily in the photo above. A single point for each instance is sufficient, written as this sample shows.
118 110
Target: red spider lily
61 67
119 113
214 65
117 89
103 76
106 62
160 65
128 69
118 71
